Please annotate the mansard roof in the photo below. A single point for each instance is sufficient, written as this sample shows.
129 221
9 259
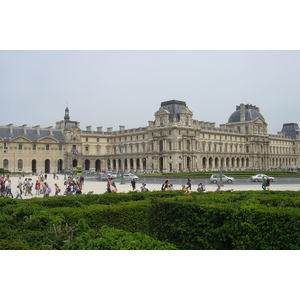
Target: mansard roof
31 133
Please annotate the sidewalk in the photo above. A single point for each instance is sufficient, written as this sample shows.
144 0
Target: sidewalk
99 187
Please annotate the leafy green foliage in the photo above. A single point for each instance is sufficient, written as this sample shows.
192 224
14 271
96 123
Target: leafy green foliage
153 220
108 238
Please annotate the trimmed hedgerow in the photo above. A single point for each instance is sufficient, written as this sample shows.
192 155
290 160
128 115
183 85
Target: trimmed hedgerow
194 225
223 220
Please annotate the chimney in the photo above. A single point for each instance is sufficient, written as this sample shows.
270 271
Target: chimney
50 130
38 129
122 128
242 113
99 128
88 128
109 129
11 129
24 127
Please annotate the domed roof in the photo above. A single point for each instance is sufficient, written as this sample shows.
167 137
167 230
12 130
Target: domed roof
251 113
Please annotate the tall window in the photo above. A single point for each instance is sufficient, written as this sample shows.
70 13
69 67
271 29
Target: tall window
161 146
5 164
188 145
98 150
20 164
20 148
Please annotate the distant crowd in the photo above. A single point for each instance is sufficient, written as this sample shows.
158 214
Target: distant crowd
27 187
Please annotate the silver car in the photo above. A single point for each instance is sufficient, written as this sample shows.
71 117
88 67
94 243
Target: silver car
130 176
216 178
259 177
101 176
112 175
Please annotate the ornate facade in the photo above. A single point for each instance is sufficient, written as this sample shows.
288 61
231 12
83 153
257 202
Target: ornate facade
173 142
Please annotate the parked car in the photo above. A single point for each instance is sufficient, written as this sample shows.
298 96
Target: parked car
112 175
130 176
216 178
259 177
101 176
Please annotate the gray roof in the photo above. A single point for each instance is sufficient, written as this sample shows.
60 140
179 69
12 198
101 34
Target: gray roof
31 134
250 115
174 107
290 129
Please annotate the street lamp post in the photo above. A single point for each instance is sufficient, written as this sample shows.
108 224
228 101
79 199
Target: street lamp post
65 166
122 163
220 144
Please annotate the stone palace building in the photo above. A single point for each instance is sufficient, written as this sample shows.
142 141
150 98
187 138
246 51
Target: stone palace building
173 142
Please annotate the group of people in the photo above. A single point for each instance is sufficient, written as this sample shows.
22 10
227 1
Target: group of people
5 187
28 187
24 187
167 186
144 187
111 186
73 186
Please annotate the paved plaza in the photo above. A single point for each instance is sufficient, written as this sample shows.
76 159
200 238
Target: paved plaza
99 187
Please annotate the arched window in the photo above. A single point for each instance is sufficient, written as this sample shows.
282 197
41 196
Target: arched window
161 145
20 164
188 145
5 164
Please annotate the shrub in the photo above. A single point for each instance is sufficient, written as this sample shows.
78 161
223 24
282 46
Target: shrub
108 238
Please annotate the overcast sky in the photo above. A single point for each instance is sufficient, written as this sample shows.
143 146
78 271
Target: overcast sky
112 88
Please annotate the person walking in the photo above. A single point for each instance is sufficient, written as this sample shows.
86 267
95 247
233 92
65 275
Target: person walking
108 186
264 182
268 183
2 189
189 184
37 187
8 188
48 190
20 182
133 184
57 189
19 192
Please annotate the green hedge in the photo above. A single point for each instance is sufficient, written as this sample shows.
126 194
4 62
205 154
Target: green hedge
220 225
223 220
108 238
